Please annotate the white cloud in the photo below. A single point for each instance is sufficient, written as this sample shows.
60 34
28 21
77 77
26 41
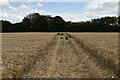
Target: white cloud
13 9
76 17
58 0
39 4
23 6
49 0
105 7
16 14
119 9
4 2
27 0
10 17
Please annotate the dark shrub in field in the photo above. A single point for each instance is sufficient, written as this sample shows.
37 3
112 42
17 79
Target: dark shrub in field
61 37
60 33
67 34
66 37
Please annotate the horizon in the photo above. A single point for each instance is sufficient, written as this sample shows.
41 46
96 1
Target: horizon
63 19
69 11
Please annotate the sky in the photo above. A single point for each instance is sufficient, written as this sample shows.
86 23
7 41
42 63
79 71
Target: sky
79 10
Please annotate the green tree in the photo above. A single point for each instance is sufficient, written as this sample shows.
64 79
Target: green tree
59 24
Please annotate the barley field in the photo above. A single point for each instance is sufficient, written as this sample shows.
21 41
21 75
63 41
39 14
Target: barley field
60 55
18 49
102 45
0 56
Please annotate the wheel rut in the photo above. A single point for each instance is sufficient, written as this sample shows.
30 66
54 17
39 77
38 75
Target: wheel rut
65 59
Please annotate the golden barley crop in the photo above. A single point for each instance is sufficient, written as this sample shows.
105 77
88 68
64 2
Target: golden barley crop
102 45
19 49
62 55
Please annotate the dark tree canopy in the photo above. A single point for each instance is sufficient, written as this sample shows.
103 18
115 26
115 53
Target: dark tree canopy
35 22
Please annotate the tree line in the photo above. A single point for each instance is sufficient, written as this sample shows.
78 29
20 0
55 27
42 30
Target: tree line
35 22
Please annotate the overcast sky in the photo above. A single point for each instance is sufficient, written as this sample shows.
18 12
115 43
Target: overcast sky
79 10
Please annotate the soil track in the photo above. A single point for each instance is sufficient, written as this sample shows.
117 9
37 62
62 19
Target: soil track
65 59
